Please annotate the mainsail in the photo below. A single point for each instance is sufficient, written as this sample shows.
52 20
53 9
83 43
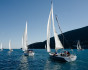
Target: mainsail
78 45
1 47
48 32
25 39
9 44
22 41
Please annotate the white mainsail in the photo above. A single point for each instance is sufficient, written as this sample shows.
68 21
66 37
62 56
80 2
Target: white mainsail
22 41
25 39
45 46
48 32
1 47
9 44
78 45
58 44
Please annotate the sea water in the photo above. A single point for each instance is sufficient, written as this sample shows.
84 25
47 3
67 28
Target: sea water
15 60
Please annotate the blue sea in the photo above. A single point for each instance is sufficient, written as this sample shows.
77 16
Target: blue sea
40 61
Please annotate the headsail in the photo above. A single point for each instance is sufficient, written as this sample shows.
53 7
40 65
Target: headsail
58 44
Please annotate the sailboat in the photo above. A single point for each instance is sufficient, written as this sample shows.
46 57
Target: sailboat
10 49
1 47
79 46
64 55
45 46
25 45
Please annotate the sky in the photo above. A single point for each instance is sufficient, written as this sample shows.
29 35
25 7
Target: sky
72 14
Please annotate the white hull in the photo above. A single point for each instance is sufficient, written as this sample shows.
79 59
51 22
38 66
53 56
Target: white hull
11 50
29 53
63 58
80 49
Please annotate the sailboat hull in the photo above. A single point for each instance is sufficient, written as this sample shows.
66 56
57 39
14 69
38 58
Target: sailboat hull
29 53
60 58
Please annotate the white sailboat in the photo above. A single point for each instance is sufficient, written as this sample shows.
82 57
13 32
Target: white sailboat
62 56
1 47
22 41
45 46
25 45
79 46
10 49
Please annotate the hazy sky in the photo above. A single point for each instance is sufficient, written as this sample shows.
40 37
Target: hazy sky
72 14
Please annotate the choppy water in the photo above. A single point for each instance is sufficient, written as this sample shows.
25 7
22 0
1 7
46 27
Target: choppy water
40 61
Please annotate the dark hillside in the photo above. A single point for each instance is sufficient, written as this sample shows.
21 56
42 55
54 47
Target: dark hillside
70 40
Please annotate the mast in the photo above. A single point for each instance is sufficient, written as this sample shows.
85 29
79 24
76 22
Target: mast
22 42
26 35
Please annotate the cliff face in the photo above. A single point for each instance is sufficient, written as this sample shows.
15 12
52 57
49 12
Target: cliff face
70 39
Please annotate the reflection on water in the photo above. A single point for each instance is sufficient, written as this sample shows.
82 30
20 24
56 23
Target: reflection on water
41 61
9 52
55 65
73 66
50 66
23 63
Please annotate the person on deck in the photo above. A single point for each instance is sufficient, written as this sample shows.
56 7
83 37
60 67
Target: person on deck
55 53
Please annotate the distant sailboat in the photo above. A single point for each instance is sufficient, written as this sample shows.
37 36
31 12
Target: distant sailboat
62 56
79 46
25 45
45 46
1 47
10 49
22 42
